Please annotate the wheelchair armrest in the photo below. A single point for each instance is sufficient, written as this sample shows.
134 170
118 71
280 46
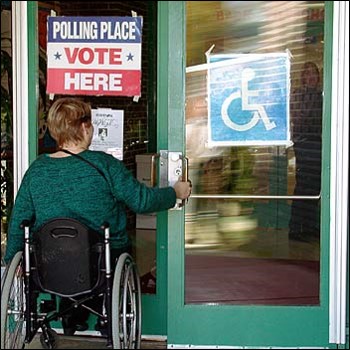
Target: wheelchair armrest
105 225
25 223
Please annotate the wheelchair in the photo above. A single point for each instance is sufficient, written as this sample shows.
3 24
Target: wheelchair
64 258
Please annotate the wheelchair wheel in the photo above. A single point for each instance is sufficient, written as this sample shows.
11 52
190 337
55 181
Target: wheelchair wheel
13 306
126 305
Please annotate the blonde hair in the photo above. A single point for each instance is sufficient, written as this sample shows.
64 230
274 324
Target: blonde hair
65 119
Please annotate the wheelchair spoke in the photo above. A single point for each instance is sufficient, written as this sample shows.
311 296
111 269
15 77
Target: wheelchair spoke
126 305
14 322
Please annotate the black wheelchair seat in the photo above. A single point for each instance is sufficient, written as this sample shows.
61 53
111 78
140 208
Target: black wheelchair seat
68 257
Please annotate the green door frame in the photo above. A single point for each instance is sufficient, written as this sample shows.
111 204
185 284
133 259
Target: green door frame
254 326
169 105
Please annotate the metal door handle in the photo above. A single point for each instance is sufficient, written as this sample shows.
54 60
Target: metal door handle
184 177
153 180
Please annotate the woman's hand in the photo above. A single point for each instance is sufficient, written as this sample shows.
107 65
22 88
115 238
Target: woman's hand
183 189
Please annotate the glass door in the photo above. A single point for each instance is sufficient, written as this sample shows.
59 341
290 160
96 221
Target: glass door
248 256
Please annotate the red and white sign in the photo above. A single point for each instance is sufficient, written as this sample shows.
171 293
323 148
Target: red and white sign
94 55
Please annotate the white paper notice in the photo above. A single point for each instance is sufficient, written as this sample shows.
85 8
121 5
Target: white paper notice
108 131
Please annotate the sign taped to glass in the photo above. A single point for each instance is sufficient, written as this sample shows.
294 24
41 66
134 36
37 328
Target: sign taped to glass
108 131
94 55
248 99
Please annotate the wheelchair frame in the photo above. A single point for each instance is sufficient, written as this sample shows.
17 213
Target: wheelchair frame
20 321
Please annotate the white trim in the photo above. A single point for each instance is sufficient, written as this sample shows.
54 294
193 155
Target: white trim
149 337
20 92
339 199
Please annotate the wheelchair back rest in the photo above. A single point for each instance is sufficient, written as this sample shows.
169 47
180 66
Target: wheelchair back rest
67 257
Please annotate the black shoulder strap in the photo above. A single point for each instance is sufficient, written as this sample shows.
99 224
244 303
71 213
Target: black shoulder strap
85 160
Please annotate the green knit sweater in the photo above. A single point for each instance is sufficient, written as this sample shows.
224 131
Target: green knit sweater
69 187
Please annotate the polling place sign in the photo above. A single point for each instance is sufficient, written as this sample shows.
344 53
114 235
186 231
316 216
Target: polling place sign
94 55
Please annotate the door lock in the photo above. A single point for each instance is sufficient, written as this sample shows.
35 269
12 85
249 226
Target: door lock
178 171
173 167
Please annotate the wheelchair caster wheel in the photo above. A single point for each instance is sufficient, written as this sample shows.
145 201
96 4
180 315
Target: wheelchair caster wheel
51 341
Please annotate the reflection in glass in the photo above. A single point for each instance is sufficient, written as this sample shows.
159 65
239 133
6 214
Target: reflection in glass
255 250
7 164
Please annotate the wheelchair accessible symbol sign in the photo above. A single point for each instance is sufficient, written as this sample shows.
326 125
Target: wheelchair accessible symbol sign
248 99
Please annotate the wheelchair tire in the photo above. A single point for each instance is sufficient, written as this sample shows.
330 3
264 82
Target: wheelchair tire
13 300
52 339
3 277
126 305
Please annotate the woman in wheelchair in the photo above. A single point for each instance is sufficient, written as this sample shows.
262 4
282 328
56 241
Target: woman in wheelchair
90 188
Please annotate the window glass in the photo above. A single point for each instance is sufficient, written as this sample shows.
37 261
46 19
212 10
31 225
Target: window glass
252 228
